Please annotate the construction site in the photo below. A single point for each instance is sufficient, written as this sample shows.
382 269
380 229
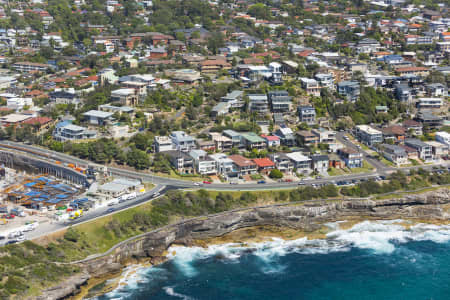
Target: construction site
34 199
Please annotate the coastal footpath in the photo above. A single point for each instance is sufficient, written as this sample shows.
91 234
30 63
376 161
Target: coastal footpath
304 216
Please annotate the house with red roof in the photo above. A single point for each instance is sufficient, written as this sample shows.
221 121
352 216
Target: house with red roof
264 165
271 140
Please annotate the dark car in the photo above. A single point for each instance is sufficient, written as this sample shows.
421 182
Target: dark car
261 182
10 242
110 210
2 237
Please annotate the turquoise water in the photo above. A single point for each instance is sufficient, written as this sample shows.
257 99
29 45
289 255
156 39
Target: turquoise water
373 260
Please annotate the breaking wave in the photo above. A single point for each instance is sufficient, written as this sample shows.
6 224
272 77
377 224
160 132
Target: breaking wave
378 237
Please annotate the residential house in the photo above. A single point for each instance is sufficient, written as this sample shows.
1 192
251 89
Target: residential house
307 114
289 67
220 109
395 154
368 135
429 120
66 131
205 145
443 137
320 163
251 140
282 162
224 165
439 150
182 141
349 89
234 98
221 142
436 90
26 66
311 86
258 104
64 96
307 138
410 152
213 66
97 117
403 93
425 151
275 70
301 162
126 96
286 136
162 144
235 138
325 135
204 165
326 80
429 103
264 165
421 71
271 140
39 124
335 161
181 162
280 101
243 166
367 46
412 127
395 133
351 158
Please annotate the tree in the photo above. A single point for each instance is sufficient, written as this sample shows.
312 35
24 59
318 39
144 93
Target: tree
276 174
138 159
215 42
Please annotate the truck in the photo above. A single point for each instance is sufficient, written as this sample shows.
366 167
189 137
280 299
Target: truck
17 211
75 214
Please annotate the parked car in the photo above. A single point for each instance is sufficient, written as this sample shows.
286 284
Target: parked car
11 242
207 182
301 183
261 182
110 210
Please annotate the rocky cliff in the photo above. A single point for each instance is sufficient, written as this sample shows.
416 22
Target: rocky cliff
307 216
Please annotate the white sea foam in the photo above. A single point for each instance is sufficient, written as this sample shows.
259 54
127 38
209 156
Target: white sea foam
169 291
381 237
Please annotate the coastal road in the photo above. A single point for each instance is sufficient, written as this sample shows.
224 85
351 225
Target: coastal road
381 169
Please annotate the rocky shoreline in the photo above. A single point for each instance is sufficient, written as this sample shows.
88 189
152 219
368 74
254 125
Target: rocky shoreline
305 217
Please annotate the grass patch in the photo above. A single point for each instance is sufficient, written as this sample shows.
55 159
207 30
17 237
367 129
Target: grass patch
336 172
366 167
382 159
256 177
414 162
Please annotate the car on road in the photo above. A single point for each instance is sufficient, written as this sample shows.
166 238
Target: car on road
197 183
345 137
207 182
233 182
2 237
301 183
155 195
11 242
20 238
110 210
261 182
288 180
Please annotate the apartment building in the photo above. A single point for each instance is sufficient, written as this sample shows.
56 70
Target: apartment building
311 86
368 135
280 101
258 103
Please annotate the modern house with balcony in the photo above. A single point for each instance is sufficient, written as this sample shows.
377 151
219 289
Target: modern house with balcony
204 165
182 141
425 151
368 135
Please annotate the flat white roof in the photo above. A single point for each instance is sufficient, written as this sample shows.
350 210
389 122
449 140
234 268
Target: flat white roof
297 156
14 118
368 129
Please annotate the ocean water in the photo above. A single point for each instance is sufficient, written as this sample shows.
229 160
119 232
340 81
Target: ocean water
372 260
